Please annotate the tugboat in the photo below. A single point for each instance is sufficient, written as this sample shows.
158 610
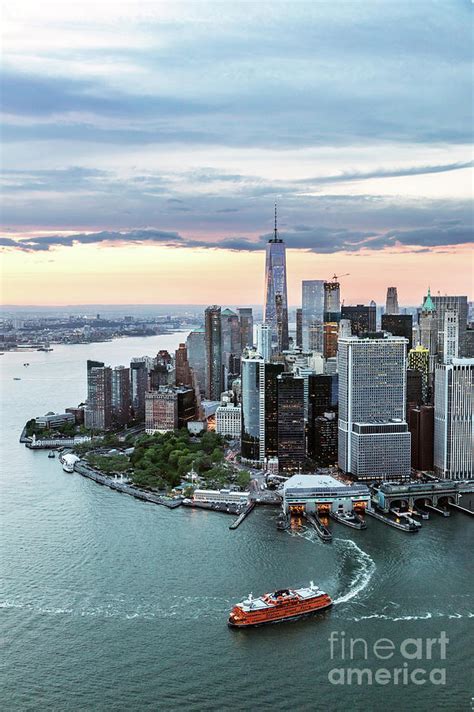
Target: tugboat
51 453
282 605
282 522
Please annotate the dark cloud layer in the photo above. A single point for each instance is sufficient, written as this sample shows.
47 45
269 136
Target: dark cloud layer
319 239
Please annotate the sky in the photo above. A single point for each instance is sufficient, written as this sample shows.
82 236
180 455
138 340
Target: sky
145 144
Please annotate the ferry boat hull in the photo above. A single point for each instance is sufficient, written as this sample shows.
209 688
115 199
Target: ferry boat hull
282 619
280 606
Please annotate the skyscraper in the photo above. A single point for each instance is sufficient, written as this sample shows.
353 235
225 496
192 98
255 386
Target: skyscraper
312 300
275 307
183 376
138 387
252 362
196 346
264 341
212 325
299 328
291 428
246 327
362 318
453 419
120 395
421 424
268 406
450 335
98 412
419 360
399 325
332 301
391 305
447 302
374 442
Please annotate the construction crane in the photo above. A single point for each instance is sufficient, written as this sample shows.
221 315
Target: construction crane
335 277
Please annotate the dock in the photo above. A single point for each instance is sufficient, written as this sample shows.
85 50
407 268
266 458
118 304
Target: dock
438 510
404 527
458 508
242 515
322 531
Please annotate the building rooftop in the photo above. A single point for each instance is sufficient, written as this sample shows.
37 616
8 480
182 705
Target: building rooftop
309 481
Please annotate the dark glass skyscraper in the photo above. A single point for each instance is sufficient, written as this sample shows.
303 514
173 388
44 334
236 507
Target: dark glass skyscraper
399 325
212 325
291 434
362 318
275 307
246 327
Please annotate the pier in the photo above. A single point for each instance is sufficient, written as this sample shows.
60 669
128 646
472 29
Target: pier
242 515
438 510
409 526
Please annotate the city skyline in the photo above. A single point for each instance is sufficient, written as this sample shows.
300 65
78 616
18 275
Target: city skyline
140 154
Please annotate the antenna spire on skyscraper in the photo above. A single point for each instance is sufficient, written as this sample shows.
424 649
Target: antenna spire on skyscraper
275 232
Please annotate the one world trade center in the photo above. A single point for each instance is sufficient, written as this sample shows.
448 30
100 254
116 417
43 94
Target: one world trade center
275 306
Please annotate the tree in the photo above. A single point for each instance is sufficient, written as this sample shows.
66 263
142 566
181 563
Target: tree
243 479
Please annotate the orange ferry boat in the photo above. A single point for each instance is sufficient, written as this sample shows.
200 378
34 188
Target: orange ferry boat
285 604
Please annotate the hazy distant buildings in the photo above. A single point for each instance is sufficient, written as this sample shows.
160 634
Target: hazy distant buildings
276 299
214 375
373 441
312 299
454 419
391 304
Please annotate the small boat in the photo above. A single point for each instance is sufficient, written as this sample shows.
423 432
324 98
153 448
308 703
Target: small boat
51 454
16 378
26 364
281 605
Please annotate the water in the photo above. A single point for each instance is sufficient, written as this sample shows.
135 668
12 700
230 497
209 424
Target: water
107 603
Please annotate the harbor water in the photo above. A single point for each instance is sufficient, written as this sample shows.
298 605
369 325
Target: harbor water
109 603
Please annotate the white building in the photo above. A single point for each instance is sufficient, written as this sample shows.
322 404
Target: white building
223 495
373 438
450 335
229 420
322 493
454 416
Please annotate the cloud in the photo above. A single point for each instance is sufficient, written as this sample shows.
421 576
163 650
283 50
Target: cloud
350 176
46 242
320 239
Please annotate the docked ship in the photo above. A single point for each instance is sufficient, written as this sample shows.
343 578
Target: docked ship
285 604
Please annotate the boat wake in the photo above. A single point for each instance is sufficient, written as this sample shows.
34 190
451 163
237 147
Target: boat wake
364 572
